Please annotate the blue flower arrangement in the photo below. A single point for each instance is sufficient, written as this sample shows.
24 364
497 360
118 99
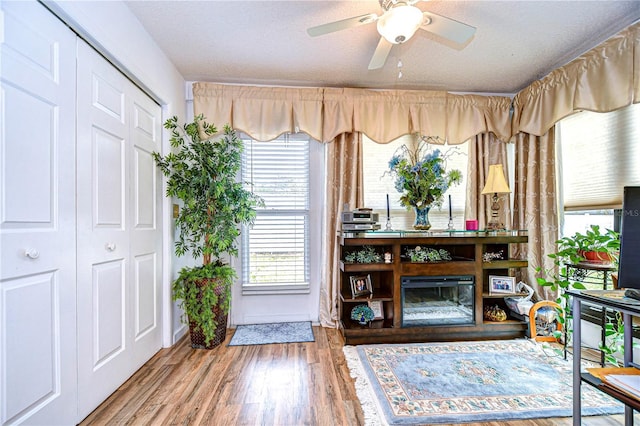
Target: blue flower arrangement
420 174
362 313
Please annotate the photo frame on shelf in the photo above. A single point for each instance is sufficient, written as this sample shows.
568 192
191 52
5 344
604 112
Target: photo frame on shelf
501 284
361 286
376 307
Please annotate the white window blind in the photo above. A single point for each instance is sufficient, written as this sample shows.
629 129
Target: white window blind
275 251
600 154
377 185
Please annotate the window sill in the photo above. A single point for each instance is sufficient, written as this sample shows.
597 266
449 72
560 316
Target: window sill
261 290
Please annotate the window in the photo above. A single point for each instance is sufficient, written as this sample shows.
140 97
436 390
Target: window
598 155
275 250
377 185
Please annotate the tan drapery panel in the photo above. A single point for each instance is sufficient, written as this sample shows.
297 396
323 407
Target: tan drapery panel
604 79
535 207
470 115
344 185
263 113
485 149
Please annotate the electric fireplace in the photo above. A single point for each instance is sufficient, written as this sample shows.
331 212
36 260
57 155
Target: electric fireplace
437 300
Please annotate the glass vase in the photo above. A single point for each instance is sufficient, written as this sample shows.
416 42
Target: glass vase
422 218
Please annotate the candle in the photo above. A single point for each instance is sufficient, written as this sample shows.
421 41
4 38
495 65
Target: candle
387 206
450 216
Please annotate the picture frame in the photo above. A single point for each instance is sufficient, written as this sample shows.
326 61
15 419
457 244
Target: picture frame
376 307
361 286
502 284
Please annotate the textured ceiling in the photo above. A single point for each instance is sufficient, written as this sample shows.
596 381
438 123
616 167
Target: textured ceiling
265 42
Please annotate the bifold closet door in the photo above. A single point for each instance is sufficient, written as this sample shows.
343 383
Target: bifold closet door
37 218
119 242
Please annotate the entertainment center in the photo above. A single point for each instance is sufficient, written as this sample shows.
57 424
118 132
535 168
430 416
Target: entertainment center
439 299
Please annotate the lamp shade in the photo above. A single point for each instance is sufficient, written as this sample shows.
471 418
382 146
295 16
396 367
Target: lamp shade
496 182
398 24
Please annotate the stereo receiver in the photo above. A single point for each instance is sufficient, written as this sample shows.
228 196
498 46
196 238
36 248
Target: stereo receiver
359 216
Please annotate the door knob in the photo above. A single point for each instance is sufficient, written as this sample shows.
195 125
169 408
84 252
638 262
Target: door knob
110 246
32 253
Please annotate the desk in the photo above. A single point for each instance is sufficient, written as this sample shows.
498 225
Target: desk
612 299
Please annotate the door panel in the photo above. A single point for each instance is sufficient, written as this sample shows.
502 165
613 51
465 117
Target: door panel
144 193
108 311
145 277
32 360
146 237
37 220
28 194
108 179
119 249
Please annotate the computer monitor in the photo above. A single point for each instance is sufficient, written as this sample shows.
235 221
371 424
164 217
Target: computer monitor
629 262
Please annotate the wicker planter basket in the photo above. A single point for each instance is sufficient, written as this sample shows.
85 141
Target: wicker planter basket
198 340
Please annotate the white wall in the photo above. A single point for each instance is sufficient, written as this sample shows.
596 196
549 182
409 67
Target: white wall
115 32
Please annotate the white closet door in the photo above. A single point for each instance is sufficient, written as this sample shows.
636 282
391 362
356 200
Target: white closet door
37 218
145 234
119 243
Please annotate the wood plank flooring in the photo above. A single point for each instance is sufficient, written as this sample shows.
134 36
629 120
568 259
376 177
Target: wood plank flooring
285 385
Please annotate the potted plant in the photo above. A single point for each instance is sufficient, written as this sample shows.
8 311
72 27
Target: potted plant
201 172
420 176
593 246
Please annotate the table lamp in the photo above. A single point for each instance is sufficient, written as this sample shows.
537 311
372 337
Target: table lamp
496 184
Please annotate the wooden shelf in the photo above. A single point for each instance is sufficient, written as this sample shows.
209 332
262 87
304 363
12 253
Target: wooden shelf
384 297
505 264
365 267
466 250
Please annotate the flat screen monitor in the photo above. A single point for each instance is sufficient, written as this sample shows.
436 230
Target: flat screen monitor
629 266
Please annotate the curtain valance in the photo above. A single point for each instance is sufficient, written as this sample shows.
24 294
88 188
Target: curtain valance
470 115
324 113
264 113
384 115
604 79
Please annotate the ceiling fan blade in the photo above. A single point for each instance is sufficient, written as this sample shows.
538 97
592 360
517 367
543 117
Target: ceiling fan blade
380 55
448 28
342 25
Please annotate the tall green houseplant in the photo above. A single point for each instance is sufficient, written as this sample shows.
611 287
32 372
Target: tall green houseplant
202 172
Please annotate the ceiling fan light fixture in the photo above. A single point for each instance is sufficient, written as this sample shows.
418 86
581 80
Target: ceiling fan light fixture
398 24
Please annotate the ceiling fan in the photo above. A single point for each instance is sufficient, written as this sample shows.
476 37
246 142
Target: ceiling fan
400 20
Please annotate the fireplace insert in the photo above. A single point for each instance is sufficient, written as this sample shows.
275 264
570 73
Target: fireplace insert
437 300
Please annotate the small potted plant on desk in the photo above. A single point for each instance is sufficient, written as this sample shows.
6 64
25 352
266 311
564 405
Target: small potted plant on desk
202 174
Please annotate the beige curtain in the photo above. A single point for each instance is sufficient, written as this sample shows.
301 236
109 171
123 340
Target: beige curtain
535 207
485 149
343 185
324 113
470 115
604 79
263 113
384 115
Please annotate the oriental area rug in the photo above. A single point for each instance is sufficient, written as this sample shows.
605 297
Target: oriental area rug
264 334
460 382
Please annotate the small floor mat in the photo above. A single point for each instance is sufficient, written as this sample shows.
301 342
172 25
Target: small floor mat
264 334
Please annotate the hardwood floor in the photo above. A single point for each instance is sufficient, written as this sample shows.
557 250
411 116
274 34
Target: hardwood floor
285 385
